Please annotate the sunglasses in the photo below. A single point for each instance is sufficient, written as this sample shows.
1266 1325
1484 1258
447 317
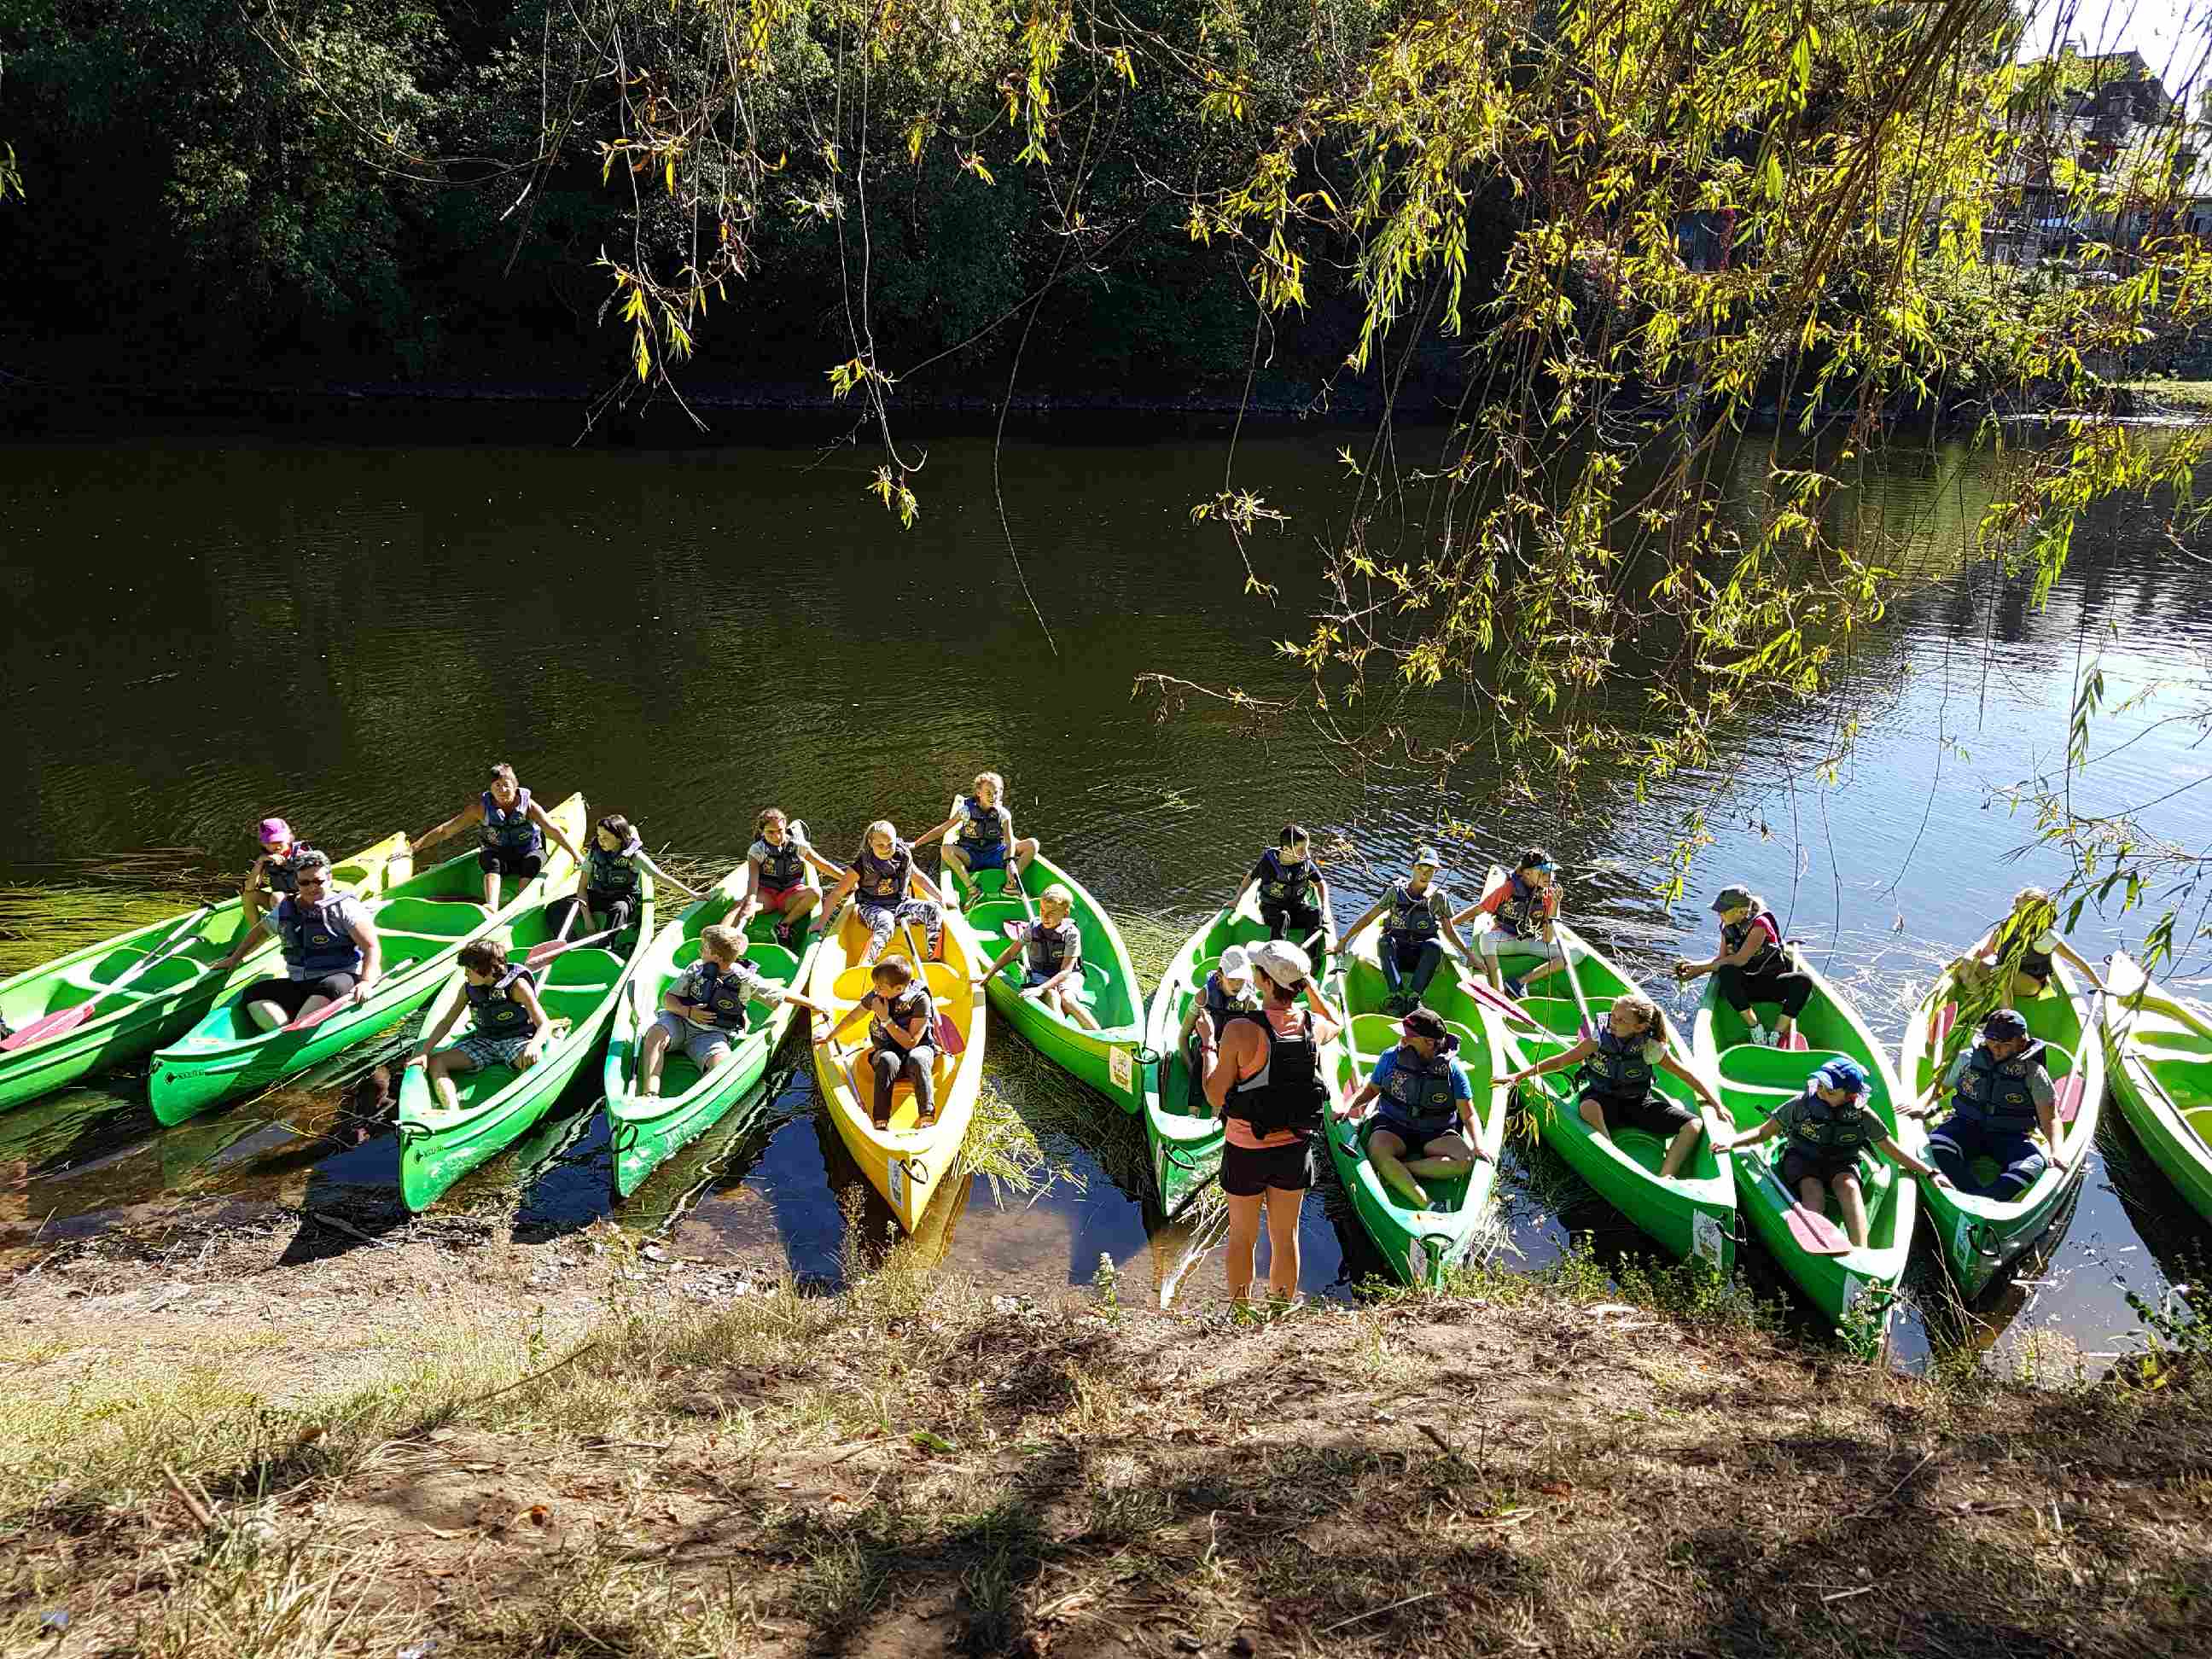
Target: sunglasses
313 881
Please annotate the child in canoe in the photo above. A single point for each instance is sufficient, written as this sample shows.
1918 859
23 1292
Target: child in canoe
1228 990
506 1023
2003 1097
512 831
606 897
703 1009
1293 897
1619 1066
776 866
983 831
1829 1126
274 875
902 1038
1524 914
1414 912
2028 939
331 951
1426 1125
881 880
1052 959
1755 964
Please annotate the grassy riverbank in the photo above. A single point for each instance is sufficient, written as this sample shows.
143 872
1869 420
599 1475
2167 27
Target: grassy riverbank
270 1437
2173 397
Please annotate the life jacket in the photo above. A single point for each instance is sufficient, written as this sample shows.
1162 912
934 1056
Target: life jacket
1219 1005
1999 1093
2035 963
780 866
1620 1067
612 872
1286 1092
495 1010
981 825
1412 916
1285 884
723 993
902 1010
1732 934
1521 912
1830 1131
315 937
1049 948
283 874
883 881
511 829
1420 1090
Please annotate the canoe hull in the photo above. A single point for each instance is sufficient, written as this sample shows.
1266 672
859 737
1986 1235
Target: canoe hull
2153 1052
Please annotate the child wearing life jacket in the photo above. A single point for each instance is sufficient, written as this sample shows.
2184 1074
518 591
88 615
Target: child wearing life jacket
274 875
2002 1097
1294 896
1052 959
777 865
983 831
1425 1125
607 891
902 1017
506 1023
1619 1066
1829 1126
1228 990
1524 914
2028 939
704 1010
1416 919
882 881
511 832
1755 964
331 949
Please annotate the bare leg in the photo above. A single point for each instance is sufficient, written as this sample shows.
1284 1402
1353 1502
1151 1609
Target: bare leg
1492 972
1548 968
1812 1193
313 1006
650 1054
1785 1031
1444 1156
1593 1116
1680 1148
1025 849
1081 1012
1243 1243
1283 1209
267 1015
440 1068
1852 1202
959 861
491 889
1387 1153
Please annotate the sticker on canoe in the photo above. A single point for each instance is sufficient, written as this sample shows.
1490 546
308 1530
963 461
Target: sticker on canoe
1962 1238
1854 1288
1124 1069
1706 1240
897 1184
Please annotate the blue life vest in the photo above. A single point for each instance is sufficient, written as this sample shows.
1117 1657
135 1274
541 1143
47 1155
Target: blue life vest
724 993
1816 1126
1219 1005
1521 911
511 829
902 1010
1285 884
883 881
1999 1093
1049 948
1411 916
1732 934
780 866
612 872
982 826
493 1011
315 937
1620 1067
1420 1090
1286 1092
283 874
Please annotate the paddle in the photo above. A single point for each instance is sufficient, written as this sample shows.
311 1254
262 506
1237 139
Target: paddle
951 1041
541 954
1575 984
64 1020
1814 1233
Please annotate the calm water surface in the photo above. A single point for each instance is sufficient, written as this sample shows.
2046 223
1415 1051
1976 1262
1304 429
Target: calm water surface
196 633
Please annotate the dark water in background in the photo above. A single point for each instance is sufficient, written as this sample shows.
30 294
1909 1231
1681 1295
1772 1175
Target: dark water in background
195 633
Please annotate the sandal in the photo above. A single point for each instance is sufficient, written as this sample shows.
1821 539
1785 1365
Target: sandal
925 1121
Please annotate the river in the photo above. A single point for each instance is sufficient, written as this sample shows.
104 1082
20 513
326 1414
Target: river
201 629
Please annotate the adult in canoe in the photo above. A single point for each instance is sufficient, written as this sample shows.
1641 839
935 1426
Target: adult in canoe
1829 1126
776 865
881 881
1417 919
2025 940
511 832
981 831
275 873
1228 990
330 949
1524 913
1617 1064
1052 959
1293 895
1755 964
703 1009
902 1017
609 887
2003 1098
1267 1081
506 1023
1426 1125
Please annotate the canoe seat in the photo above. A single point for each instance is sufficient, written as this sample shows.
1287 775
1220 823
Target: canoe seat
1373 1033
1771 1069
446 918
2199 1123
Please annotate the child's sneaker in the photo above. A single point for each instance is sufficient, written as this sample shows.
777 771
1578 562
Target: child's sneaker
1517 988
1760 1036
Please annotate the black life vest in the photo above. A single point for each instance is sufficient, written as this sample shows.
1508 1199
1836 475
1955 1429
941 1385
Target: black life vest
884 881
1049 948
1285 884
1420 1090
2000 1092
2035 963
315 937
283 875
1620 1067
780 866
1219 1005
1521 912
1412 917
899 1010
611 873
981 825
1286 1092
495 1010
1732 934
725 992
1828 1131
511 829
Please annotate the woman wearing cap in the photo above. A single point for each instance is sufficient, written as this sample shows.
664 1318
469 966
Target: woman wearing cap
1619 1065
1524 912
1228 990
1414 912
2004 1096
1428 1110
1266 1079
2027 938
274 874
331 950
1829 1126
1754 965
513 828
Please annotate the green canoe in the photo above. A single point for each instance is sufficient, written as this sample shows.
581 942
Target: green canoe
1419 1244
2159 1056
422 922
1183 1138
160 1005
496 1105
1106 1059
645 1130
1692 1216
1753 1082
1982 1236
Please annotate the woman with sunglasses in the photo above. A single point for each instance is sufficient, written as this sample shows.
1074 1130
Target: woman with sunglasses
330 949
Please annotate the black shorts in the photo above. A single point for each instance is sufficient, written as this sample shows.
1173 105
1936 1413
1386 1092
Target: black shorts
1247 1173
494 861
1797 1164
1655 1113
293 994
1777 983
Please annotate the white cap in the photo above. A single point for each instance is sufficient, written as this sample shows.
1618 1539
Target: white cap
1286 964
1236 963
